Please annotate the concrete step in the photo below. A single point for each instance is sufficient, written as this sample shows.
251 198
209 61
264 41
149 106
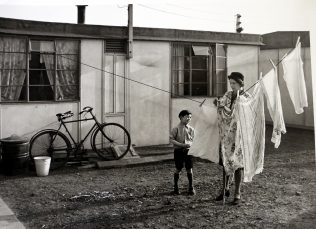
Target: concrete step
133 161
7 218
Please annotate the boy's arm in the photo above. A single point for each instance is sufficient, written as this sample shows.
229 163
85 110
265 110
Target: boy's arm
173 140
176 143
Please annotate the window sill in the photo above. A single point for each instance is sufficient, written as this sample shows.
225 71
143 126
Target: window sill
193 97
38 102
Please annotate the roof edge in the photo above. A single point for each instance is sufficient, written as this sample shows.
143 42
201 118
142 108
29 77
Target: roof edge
56 29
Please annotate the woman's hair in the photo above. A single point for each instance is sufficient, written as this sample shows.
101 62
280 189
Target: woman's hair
238 77
184 113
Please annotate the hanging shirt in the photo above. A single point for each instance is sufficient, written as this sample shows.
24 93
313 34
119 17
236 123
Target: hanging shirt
270 86
294 78
251 132
206 139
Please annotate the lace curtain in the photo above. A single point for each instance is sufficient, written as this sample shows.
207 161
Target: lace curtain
12 67
67 74
67 68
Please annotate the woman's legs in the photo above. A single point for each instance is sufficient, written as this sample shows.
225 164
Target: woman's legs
238 178
225 187
225 181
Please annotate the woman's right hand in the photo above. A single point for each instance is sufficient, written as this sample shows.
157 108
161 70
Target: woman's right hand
216 102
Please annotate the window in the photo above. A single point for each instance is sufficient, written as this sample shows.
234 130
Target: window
38 70
220 82
192 70
12 67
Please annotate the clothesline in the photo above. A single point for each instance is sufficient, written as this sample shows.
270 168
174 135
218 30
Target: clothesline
298 39
263 76
163 90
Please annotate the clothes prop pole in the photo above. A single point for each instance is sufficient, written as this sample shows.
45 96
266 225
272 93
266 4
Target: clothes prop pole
224 189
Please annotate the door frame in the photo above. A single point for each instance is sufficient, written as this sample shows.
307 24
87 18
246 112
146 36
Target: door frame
126 113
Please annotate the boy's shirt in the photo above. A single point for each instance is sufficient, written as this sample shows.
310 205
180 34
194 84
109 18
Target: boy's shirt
182 134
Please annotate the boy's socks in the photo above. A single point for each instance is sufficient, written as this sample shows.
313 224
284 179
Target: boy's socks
191 188
176 188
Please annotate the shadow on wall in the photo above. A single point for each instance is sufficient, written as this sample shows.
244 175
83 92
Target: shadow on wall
147 60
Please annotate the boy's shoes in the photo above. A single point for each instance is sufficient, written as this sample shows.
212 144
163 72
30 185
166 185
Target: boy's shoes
191 191
176 191
220 197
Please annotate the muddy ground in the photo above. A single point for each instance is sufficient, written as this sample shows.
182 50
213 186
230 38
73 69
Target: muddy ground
283 196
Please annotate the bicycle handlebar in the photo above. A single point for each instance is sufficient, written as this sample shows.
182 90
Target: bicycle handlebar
86 109
69 114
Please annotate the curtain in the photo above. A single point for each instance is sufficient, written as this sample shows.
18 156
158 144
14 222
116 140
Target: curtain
48 59
67 75
13 67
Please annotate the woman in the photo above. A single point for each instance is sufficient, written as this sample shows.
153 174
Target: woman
231 155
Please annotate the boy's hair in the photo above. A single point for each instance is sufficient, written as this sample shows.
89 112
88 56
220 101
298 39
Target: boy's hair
184 113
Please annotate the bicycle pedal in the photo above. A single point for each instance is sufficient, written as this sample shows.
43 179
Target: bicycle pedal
84 152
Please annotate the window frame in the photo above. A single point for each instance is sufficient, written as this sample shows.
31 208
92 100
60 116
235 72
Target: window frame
216 70
28 52
211 68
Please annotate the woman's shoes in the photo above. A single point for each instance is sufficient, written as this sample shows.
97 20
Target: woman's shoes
220 197
236 201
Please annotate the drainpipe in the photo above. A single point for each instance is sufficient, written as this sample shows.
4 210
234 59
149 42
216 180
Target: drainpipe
130 32
81 14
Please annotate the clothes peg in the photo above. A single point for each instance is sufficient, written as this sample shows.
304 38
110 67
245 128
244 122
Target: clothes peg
202 103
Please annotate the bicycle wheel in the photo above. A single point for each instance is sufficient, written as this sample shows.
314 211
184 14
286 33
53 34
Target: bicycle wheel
53 144
113 143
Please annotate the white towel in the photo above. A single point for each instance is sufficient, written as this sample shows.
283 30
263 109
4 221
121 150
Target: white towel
294 78
270 86
206 140
251 131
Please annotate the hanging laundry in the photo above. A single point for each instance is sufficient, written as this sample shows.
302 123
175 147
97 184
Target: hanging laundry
251 132
206 140
294 78
269 83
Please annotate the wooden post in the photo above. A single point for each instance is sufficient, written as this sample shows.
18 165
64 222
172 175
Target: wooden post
130 31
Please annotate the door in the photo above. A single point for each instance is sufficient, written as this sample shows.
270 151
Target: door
115 89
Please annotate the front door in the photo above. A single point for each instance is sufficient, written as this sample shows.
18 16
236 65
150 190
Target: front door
115 89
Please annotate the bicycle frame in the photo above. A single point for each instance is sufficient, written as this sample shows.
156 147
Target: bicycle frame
78 144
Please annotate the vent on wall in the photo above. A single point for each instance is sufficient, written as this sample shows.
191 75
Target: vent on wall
115 46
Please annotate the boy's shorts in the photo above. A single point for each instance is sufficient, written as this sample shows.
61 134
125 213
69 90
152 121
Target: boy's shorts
181 157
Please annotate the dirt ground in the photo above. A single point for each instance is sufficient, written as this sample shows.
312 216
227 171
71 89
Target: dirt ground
283 196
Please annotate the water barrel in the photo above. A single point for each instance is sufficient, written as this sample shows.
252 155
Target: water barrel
15 155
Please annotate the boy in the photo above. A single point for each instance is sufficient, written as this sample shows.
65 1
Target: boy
181 137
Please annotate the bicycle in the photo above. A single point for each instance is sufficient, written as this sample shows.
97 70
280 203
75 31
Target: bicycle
109 140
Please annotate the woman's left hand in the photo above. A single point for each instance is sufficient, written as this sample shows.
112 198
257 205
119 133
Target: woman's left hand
227 109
